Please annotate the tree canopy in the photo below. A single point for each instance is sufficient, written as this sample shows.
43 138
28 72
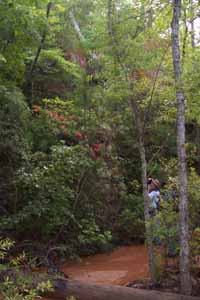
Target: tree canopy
87 109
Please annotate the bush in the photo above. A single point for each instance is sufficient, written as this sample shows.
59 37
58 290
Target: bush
131 219
53 201
194 199
14 284
14 115
48 190
91 238
165 227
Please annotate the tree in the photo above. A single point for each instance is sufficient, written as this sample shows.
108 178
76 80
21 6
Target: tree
185 278
34 62
137 116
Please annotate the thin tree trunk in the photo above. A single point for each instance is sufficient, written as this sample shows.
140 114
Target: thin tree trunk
28 87
76 26
141 147
79 34
185 278
34 63
139 127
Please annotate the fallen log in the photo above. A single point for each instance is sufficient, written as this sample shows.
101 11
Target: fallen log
84 291
64 288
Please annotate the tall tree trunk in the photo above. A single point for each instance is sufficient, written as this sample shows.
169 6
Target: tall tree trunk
34 63
76 26
185 278
28 87
78 32
141 147
134 105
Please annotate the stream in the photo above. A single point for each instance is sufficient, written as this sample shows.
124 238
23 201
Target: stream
119 267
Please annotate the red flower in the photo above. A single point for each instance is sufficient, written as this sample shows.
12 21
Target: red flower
96 147
96 150
78 135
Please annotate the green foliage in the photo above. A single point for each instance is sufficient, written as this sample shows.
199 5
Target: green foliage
158 265
131 219
21 289
51 193
19 30
52 184
41 135
14 147
56 58
5 245
14 115
195 250
91 236
49 189
194 190
195 242
18 286
164 227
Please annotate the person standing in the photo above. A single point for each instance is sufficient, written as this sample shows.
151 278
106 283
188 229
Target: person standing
154 195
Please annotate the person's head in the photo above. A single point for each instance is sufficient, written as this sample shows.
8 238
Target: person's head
153 184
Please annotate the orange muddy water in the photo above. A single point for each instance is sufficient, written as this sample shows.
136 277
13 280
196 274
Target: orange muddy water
119 267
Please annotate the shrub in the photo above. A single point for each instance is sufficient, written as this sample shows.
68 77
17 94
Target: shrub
56 202
14 284
131 219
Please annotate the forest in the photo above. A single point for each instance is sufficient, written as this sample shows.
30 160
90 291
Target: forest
96 97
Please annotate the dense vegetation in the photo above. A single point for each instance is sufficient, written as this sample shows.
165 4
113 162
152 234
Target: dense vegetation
70 172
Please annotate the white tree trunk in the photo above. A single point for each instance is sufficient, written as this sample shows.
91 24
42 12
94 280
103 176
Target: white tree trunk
76 26
77 29
185 278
